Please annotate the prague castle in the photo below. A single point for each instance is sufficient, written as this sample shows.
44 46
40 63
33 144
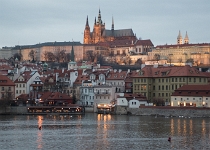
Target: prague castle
101 34
183 51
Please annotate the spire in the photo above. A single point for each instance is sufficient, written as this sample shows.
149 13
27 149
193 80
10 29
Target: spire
87 24
179 38
95 20
99 17
72 53
186 39
112 23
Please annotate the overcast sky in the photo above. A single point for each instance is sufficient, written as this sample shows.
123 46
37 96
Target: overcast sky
26 22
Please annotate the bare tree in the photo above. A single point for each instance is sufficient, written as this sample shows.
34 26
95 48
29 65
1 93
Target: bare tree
45 56
170 58
190 61
18 56
138 62
180 61
90 55
157 57
50 56
32 54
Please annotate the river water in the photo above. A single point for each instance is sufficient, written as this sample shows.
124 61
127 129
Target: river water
102 132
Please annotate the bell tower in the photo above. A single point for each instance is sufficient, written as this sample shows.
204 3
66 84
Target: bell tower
186 39
179 38
87 39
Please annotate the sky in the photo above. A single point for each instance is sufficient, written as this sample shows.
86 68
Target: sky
28 22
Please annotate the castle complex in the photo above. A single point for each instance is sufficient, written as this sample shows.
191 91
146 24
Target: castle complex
183 51
101 34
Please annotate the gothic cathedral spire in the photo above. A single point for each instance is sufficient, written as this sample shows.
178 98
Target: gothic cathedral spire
112 23
87 23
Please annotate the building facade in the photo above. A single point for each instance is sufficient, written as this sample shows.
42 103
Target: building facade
101 34
158 83
179 53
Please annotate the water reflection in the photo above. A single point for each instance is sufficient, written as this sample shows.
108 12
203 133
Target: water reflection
100 131
39 132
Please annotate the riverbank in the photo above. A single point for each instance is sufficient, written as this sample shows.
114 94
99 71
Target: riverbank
167 111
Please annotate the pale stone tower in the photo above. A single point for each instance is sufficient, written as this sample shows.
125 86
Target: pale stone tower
179 38
186 39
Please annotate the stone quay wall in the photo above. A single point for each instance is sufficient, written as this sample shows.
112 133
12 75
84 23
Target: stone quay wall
167 111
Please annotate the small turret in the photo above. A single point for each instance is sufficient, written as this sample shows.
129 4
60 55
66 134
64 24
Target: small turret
179 38
186 39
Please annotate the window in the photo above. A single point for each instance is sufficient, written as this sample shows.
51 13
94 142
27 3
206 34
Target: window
206 98
174 98
20 85
16 85
2 88
16 91
23 85
162 87
189 79
153 87
162 94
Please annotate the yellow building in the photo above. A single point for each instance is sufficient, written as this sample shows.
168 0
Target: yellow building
159 82
198 54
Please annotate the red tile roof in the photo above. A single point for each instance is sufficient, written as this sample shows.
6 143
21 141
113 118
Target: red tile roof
5 81
169 71
193 90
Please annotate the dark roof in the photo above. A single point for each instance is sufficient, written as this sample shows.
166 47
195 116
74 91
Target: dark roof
118 33
18 47
193 90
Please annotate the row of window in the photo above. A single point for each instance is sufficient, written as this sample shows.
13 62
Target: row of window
188 99
161 94
3 88
20 92
172 80
92 97
20 85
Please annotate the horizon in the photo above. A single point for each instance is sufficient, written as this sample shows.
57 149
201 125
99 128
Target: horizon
24 23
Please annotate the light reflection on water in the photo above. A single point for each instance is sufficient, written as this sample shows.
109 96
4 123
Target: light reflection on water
102 132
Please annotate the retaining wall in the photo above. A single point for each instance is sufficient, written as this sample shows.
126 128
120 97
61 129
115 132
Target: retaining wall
170 111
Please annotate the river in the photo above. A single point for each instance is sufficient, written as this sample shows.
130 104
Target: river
102 132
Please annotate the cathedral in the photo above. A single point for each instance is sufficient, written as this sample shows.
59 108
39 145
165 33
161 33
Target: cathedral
101 34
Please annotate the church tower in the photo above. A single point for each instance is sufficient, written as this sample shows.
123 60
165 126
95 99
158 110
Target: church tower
186 39
98 29
87 39
179 38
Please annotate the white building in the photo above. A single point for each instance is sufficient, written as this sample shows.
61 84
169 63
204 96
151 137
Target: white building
24 81
191 96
